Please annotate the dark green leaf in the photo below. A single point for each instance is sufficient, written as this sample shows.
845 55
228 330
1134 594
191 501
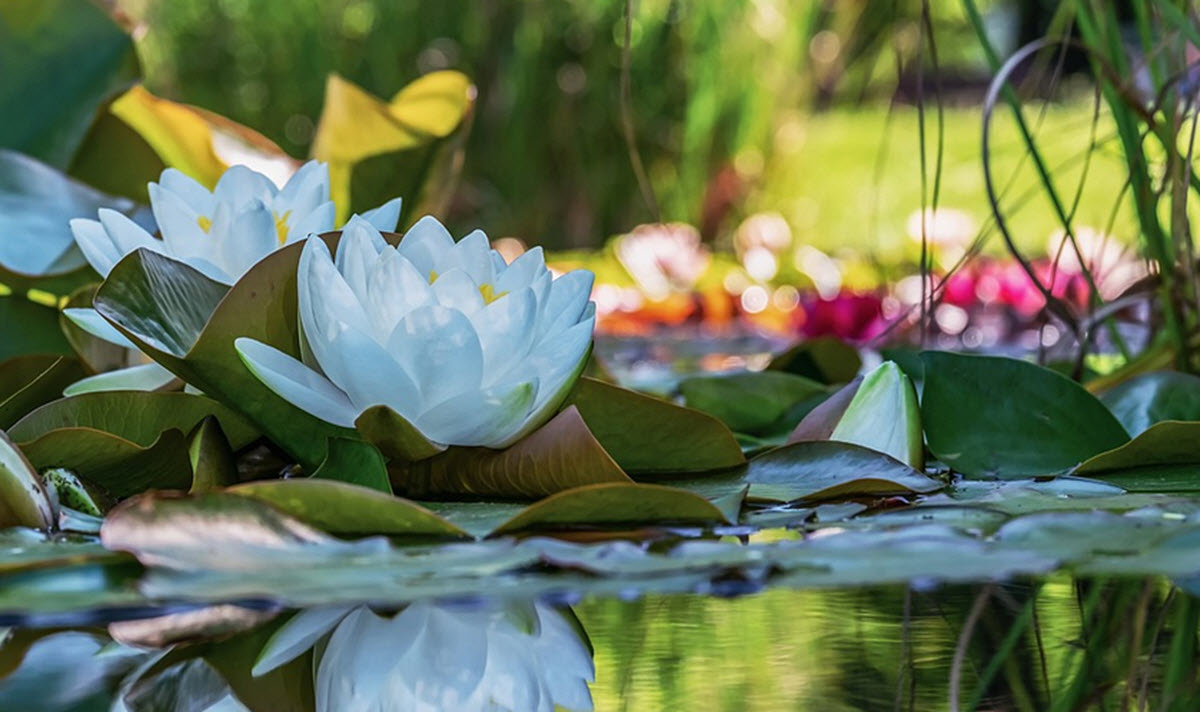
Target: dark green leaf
29 328
826 359
121 467
646 434
355 462
213 464
27 382
1145 400
346 509
614 503
987 416
748 402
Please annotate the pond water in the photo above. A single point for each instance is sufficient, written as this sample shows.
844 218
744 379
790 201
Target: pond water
1054 643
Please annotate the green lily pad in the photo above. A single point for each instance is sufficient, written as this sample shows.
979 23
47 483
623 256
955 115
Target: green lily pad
123 468
826 359
188 323
343 508
645 434
824 470
1150 398
27 382
23 498
748 402
137 416
561 455
355 462
884 416
614 503
1169 444
988 416
821 421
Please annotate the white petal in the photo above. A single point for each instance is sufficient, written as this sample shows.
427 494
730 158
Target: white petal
297 636
557 364
522 271
385 217
311 177
198 198
439 349
568 298
179 224
95 244
296 383
367 373
126 234
325 298
318 221
90 321
479 418
357 253
473 254
394 288
250 237
146 377
427 245
240 185
457 290
506 332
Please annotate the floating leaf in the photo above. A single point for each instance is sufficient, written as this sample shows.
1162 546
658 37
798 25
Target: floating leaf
27 382
825 470
988 416
62 60
1150 398
393 435
614 503
137 416
23 499
342 508
188 323
355 462
749 402
884 416
826 359
646 434
561 455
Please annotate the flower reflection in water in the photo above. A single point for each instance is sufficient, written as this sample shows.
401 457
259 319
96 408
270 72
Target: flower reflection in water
520 656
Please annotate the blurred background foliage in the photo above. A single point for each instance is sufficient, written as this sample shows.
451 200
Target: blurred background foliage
804 107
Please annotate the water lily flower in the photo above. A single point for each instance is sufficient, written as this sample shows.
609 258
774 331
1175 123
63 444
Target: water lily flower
524 657
222 233
470 350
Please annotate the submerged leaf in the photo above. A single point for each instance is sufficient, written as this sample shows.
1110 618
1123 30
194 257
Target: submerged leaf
987 416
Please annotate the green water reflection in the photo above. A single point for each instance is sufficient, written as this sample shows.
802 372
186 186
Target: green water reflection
1053 644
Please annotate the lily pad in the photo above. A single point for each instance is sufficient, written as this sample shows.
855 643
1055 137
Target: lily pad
749 402
27 382
355 462
824 470
213 463
393 435
645 434
1170 443
188 323
343 508
614 503
23 498
561 455
1150 398
988 416
826 359
123 468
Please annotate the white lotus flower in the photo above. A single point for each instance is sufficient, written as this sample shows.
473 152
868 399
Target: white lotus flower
470 350
222 233
518 657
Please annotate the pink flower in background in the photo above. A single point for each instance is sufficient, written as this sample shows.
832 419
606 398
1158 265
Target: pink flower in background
853 316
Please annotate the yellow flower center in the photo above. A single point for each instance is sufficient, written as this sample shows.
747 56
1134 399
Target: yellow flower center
204 222
487 291
281 226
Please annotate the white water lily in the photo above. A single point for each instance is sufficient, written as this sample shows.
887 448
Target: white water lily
467 348
222 233
518 657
